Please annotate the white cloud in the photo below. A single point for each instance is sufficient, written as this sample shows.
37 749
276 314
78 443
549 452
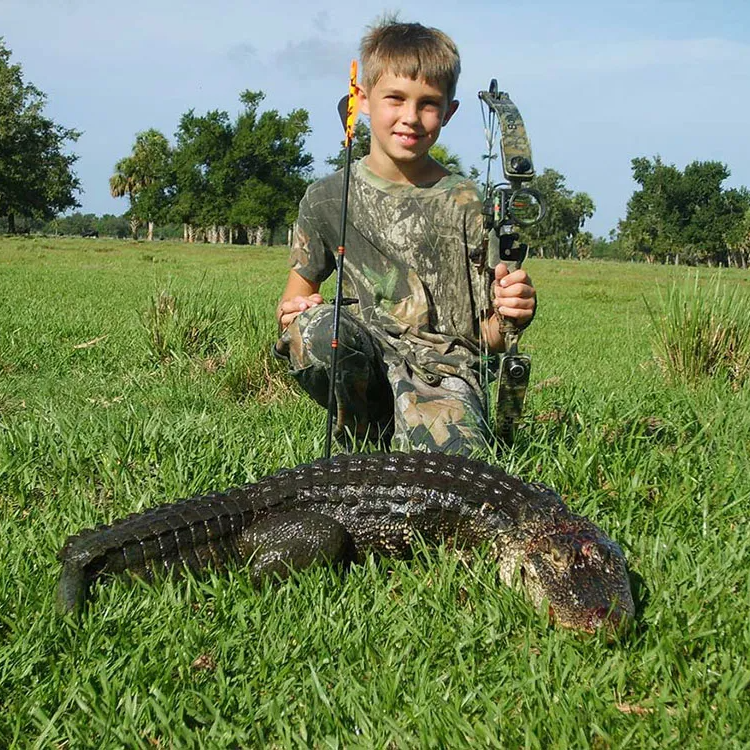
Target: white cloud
312 59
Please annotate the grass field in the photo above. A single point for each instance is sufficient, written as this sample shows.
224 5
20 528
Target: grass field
133 374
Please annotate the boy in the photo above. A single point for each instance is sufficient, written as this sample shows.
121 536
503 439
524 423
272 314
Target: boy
408 368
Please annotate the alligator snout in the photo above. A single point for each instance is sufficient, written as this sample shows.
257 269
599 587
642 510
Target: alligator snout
612 619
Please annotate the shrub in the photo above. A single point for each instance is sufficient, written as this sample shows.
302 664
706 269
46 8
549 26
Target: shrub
251 370
703 332
190 323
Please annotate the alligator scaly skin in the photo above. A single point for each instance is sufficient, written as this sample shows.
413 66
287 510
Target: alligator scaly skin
343 507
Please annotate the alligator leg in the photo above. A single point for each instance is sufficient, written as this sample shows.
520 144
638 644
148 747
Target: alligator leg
293 541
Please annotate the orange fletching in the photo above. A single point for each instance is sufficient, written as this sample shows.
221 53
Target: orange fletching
352 106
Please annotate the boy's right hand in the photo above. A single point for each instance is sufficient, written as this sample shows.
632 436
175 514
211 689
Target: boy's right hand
289 309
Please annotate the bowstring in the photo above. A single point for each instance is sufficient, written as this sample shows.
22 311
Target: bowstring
489 121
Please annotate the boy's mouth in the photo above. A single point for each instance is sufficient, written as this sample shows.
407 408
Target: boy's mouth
407 139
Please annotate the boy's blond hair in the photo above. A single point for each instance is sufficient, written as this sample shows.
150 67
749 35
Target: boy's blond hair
412 51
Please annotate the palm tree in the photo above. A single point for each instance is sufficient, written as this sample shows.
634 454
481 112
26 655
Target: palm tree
143 177
122 183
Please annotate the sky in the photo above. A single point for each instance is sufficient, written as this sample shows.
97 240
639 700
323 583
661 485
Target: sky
597 83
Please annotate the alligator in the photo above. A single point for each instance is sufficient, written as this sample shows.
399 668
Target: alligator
336 510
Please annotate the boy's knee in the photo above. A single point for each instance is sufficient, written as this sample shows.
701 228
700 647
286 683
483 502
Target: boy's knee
316 323
307 339
317 315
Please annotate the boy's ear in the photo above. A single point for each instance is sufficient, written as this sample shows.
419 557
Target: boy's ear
364 104
452 107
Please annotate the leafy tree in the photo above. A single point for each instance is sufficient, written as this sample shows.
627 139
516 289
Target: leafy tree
76 223
109 225
152 157
36 177
269 166
200 165
738 241
682 212
360 146
567 212
584 245
248 175
652 224
123 182
608 248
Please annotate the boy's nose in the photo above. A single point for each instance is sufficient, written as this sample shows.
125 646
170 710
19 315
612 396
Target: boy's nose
409 113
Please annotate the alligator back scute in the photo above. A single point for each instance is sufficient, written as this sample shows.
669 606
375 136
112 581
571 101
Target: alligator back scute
215 519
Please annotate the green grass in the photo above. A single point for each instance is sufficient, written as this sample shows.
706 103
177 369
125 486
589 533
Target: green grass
100 417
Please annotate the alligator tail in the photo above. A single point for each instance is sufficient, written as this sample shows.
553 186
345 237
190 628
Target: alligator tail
192 533
71 590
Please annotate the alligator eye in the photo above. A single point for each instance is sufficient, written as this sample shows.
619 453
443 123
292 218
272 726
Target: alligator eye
600 554
559 557
544 545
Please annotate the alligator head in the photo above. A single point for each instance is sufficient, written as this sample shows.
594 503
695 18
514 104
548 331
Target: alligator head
579 574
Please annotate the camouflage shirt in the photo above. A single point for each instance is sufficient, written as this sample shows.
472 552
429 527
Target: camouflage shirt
407 263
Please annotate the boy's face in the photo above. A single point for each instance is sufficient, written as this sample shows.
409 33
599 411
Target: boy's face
406 117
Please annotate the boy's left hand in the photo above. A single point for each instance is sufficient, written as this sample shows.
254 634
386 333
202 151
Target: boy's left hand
513 295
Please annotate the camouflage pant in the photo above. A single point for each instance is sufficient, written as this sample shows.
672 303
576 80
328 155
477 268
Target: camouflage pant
377 400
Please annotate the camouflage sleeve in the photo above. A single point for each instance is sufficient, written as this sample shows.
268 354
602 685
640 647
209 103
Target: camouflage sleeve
311 256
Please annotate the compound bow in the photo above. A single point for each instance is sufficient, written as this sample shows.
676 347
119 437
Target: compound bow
507 206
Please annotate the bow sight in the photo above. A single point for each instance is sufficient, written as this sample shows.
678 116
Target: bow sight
508 205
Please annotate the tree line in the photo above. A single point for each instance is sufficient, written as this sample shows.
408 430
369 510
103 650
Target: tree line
223 180
240 180
686 215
